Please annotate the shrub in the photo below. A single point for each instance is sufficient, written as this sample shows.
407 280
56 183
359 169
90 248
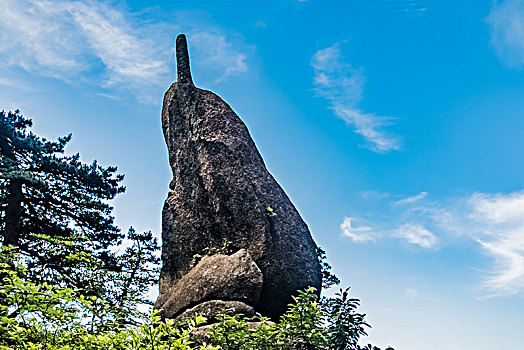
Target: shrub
44 316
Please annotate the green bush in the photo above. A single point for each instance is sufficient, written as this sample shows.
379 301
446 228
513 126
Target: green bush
43 316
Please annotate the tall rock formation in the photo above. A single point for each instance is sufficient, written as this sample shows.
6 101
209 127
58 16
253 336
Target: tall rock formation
222 192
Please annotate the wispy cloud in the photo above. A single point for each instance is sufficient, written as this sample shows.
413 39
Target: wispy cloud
417 234
126 54
506 21
411 199
87 41
492 222
11 83
43 43
500 218
342 84
409 7
415 294
361 234
412 293
100 44
212 50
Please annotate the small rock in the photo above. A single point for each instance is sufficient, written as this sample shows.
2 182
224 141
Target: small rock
213 307
218 277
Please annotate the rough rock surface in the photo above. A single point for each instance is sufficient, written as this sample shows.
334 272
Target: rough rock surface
213 307
221 189
218 277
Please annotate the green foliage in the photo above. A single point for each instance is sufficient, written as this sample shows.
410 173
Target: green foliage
331 324
113 293
344 324
37 314
308 325
47 198
328 278
300 326
54 194
54 211
225 248
42 316
230 332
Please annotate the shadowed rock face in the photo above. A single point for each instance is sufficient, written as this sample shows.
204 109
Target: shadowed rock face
221 190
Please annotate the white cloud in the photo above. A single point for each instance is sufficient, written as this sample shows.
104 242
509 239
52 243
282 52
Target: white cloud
374 195
340 83
212 50
412 293
506 21
41 42
415 294
416 234
259 24
87 42
412 199
361 234
508 276
11 83
401 7
94 43
492 222
498 208
126 55
500 219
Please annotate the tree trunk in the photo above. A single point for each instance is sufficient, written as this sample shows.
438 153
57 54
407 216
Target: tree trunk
13 213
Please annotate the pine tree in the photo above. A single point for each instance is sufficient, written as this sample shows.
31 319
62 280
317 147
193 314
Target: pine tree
43 192
54 210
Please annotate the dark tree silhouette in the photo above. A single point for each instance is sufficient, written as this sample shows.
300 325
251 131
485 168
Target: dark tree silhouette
54 210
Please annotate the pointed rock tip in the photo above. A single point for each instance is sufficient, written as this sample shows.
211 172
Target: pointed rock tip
182 61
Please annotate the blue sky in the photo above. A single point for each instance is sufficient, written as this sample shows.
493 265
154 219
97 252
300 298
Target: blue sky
394 126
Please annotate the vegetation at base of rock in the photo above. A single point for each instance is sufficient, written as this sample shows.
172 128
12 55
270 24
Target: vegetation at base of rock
43 316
